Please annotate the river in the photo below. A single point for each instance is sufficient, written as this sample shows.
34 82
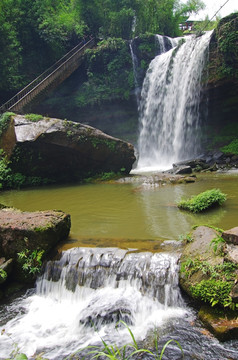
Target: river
124 246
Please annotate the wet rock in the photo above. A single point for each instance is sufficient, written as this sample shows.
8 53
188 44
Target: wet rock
183 170
201 245
234 293
231 236
66 151
7 266
223 326
99 315
193 163
231 253
201 259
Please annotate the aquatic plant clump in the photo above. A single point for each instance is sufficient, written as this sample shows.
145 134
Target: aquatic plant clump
203 201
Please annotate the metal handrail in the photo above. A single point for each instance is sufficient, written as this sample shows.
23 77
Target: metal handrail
45 75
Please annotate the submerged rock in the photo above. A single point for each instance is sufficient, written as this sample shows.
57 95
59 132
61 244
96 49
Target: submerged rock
61 150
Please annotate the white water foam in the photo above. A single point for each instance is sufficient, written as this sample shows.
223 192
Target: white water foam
56 320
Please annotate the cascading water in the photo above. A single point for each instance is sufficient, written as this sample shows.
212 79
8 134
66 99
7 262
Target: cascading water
169 108
90 289
81 297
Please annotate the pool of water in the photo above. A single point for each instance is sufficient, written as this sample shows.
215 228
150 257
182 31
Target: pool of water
138 215
130 215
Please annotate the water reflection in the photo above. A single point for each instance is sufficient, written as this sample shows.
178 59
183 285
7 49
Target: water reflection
116 213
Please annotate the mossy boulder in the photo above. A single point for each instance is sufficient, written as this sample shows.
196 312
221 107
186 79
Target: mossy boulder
29 232
209 274
63 151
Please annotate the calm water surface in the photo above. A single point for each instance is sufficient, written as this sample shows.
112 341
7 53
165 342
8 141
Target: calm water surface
131 214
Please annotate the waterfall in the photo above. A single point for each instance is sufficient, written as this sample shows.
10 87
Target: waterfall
169 107
88 289
135 72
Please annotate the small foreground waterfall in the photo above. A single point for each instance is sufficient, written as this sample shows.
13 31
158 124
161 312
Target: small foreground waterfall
82 296
169 108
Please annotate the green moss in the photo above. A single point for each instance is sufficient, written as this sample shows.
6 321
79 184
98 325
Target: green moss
203 201
111 144
34 117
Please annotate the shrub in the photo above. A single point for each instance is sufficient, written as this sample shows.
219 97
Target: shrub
203 201
31 260
215 292
231 148
4 121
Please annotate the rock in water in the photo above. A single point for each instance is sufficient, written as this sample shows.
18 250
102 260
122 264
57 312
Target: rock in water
31 230
62 150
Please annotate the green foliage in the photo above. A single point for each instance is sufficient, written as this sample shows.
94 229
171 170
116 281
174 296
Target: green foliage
34 117
3 275
110 73
224 53
9 179
231 148
5 171
186 237
217 244
225 271
4 121
214 292
203 201
31 260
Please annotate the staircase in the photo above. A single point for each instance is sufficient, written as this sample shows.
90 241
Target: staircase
52 77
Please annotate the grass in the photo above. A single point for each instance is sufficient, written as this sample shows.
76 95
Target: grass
107 351
203 201
125 352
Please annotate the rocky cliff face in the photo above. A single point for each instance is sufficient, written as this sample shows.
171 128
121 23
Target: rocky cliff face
66 151
222 86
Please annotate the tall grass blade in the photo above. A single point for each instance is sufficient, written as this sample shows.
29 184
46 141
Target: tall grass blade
165 346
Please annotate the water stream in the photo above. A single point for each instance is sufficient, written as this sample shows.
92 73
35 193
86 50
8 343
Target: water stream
169 107
103 277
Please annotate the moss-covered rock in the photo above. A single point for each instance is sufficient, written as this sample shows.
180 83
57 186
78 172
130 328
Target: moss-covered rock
209 275
222 86
223 325
30 234
59 150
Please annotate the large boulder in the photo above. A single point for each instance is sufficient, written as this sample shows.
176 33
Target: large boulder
41 229
209 274
62 150
26 233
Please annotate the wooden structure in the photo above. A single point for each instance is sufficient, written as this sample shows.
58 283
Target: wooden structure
51 78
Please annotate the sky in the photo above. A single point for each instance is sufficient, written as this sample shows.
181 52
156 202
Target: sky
214 5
